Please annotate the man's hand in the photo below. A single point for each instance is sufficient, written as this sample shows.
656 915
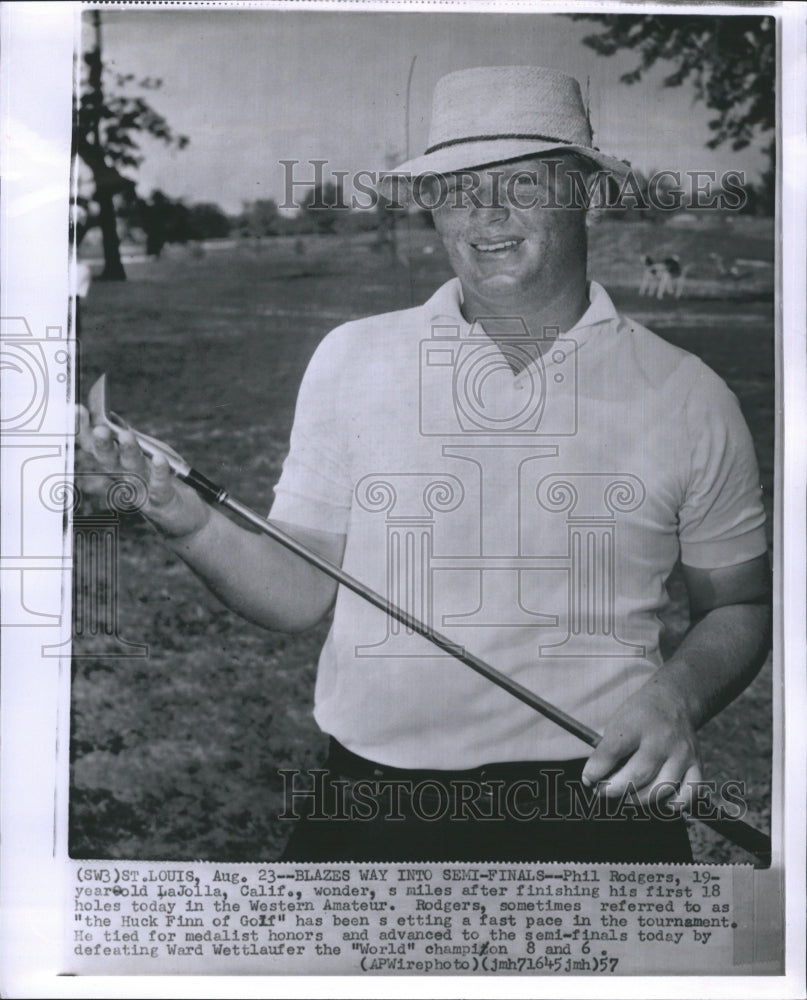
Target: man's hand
251 573
651 739
174 508
649 746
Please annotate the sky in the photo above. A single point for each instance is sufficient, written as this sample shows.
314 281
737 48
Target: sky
253 87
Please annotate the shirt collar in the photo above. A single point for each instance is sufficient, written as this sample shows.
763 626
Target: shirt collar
444 308
600 310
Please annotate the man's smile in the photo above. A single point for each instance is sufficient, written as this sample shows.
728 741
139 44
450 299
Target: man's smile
501 246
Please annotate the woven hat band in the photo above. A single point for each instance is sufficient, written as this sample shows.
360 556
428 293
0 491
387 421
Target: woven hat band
500 135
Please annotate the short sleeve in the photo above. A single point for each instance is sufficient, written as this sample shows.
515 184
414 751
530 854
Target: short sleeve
314 489
722 518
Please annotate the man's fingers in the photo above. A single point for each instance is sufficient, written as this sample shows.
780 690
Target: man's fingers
156 471
105 449
85 450
116 456
131 457
672 789
160 469
684 800
150 485
606 758
118 452
87 436
161 480
647 768
637 772
664 786
82 421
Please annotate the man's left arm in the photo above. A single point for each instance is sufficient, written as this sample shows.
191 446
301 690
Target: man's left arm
651 739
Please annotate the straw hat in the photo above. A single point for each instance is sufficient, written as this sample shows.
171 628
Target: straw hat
495 113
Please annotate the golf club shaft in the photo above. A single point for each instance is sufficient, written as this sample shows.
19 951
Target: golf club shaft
736 830
571 725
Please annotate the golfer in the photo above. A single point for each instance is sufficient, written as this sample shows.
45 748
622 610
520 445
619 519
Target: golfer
523 467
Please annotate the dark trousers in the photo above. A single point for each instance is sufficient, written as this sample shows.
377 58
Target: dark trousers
357 810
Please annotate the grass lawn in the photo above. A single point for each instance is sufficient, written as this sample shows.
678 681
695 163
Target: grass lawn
175 755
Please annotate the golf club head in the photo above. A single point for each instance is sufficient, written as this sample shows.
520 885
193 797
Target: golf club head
97 403
100 414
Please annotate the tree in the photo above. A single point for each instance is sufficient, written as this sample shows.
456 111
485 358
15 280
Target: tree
730 60
107 127
206 221
163 220
323 205
259 218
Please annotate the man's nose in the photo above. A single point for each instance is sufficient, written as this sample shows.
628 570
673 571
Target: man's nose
491 204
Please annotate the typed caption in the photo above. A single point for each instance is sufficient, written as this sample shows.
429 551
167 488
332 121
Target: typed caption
135 918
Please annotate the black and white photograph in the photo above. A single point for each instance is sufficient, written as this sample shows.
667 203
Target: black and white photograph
414 434
573 518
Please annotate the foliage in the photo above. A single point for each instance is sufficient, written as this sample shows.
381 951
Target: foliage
762 196
109 125
206 221
324 206
259 218
169 220
730 60
121 119
164 221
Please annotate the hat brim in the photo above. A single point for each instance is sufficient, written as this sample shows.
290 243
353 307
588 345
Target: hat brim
471 155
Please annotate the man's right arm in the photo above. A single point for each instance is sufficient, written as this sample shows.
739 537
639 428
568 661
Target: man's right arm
252 574
257 577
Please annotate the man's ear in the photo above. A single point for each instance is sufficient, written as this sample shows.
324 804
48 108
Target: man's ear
606 191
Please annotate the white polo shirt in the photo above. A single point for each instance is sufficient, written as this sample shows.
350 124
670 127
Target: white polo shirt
532 518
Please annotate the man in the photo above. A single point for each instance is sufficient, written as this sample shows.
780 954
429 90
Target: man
523 467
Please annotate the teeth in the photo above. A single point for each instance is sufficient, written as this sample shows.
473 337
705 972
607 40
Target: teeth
493 247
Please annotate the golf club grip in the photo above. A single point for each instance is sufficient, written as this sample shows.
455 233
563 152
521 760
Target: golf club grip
743 835
204 487
735 830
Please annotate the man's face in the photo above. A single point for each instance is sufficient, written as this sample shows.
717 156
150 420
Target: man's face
504 240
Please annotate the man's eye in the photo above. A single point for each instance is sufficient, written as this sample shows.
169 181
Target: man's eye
459 196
